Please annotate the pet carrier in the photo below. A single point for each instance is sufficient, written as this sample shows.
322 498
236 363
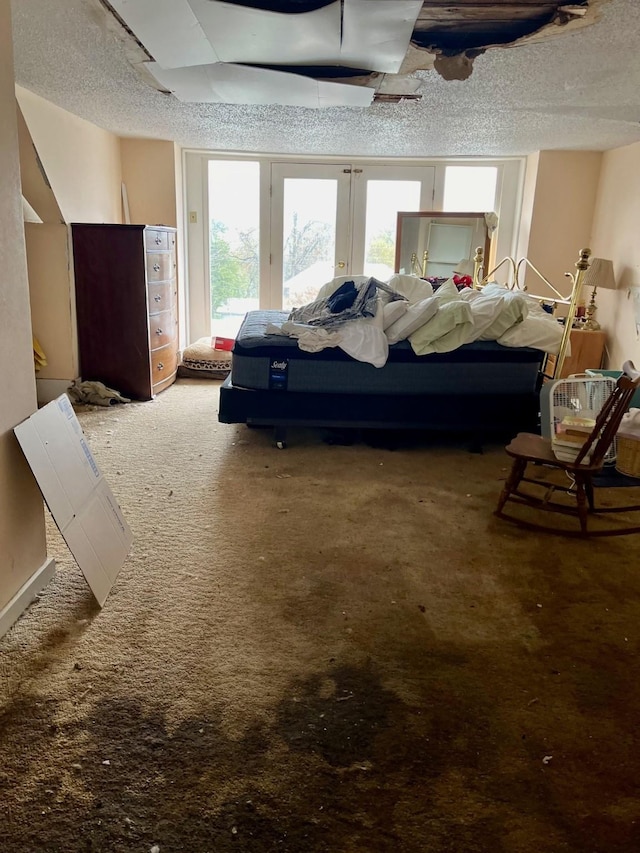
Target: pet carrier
569 408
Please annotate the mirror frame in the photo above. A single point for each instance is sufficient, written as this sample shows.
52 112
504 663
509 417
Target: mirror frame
440 214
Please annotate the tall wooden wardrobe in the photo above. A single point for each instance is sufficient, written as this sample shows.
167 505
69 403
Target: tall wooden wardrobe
127 306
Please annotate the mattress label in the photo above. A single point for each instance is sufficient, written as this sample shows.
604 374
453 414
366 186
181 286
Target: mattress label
278 374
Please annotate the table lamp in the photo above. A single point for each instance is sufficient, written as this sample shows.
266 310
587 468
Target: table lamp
464 267
598 274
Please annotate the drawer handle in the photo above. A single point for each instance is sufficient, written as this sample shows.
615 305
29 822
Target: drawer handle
160 366
157 298
158 239
156 267
159 332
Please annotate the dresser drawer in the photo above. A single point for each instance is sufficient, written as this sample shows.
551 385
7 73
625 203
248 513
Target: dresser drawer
162 329
164 363
156 239
162 297
161 266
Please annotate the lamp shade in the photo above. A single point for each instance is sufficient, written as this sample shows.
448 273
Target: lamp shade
600 274
464 267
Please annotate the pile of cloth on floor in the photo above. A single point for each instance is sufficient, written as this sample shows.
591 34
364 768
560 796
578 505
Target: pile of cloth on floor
94 394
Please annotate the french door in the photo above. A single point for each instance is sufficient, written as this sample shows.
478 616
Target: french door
310 230
336 219
265 232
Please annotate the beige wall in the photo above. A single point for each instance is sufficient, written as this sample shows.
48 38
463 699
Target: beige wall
152 175
82 161
82 165
615 236
558 209
35 187
52 299
149 175
22 537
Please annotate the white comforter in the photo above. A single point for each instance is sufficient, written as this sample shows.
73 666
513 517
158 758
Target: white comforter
452 319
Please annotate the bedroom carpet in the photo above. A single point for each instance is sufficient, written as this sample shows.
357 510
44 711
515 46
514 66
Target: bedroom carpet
334 648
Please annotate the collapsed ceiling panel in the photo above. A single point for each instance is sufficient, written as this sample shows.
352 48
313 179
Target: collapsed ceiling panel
169 30
376 35
262 37
228 83
366 44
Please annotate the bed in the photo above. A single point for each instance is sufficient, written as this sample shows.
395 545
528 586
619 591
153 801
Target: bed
482 388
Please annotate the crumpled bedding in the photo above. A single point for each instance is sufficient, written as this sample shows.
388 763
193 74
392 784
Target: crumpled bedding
462 317
349 301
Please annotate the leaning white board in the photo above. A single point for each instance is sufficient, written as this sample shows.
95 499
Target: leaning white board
78 496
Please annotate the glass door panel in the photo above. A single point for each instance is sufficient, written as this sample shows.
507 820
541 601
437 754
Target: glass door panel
380 193
233 243
384 200
308 238
310 228
471 188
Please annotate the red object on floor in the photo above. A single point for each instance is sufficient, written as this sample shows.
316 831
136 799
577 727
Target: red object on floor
222 343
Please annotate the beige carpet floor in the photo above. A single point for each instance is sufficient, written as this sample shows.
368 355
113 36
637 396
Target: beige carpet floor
328 648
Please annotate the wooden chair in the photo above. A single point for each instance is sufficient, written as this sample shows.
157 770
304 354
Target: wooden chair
528 448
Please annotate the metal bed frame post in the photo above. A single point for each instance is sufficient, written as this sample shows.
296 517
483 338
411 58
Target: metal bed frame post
582 264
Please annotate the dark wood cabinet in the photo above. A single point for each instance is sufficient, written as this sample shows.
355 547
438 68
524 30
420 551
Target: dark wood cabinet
126 306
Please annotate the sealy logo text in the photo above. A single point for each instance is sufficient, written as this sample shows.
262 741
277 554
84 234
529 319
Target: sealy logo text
278 365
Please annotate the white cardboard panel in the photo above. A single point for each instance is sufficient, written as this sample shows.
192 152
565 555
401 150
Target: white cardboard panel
376 35
240 84
78 496
169 30
244 34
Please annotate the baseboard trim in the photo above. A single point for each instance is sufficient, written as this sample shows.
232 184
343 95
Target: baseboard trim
50 389
11 612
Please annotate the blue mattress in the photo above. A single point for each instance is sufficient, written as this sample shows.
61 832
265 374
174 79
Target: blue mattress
263 362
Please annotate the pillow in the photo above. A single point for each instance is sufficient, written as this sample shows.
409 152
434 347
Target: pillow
533 302
513 309
448 330
415 289
542 333
469 294
447 291
415 316
392 311
492 288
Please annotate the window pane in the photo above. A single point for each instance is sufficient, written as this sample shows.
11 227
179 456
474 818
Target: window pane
234 260
384 200
470 188
308 238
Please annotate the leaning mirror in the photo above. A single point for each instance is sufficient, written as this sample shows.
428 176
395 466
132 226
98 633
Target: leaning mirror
432 244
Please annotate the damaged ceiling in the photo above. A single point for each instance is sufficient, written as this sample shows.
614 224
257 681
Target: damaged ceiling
326 53
384 78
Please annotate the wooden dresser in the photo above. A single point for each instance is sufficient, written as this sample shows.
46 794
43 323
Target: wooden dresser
127 306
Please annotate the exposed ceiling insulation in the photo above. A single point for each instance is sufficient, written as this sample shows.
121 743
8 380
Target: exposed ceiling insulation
573 83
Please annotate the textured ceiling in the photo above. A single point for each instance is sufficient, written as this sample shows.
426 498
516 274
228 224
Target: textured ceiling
576 91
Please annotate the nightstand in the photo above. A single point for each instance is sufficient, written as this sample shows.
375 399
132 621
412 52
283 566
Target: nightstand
587 351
